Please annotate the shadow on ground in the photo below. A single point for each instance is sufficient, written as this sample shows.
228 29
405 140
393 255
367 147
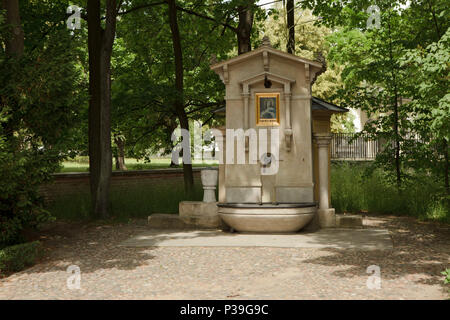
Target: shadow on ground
90 246
421 251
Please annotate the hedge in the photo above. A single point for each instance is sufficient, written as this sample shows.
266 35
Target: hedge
19 256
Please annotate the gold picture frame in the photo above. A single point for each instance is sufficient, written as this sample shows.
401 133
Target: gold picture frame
267 109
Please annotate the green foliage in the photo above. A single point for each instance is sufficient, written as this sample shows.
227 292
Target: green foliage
429 87
372 75
40 96
16 258
356 187
342 123
402 87
446 273
143 72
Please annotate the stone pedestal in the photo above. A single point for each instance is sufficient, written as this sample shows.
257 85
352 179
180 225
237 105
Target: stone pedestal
327 218
200 214
209 182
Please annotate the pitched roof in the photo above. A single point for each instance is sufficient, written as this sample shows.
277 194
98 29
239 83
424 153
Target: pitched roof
319 104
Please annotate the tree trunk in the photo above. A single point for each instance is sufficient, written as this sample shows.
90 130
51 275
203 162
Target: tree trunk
446 182
120 157
244 28
290 46
14 43
100 44
179 103
94 48
397 143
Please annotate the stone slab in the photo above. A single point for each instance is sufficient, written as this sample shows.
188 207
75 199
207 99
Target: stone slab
197 208
359 239
200 214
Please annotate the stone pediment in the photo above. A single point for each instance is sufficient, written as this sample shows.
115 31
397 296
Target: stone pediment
266 55
265 51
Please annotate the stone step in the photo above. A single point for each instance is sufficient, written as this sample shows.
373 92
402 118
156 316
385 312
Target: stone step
349 221
203 215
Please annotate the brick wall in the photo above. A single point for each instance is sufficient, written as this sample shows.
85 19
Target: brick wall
70 183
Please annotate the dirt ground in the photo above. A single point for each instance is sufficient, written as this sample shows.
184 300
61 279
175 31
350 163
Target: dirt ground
412 270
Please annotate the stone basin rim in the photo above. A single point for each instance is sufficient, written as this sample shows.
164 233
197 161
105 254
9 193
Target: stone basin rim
278 205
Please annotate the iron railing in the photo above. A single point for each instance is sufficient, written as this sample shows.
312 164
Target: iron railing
352 146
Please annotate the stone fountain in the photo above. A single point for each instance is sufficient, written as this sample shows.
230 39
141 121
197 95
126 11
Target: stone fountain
271 115
275 174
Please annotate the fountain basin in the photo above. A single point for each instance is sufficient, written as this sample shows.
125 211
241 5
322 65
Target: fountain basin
267 218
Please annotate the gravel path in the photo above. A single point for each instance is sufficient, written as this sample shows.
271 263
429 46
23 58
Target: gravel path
410 271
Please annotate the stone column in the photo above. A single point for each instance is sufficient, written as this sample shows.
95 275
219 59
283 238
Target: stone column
326 214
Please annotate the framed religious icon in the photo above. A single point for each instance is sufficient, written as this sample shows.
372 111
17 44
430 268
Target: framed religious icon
267 109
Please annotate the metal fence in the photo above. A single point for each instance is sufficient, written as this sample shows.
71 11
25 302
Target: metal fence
352 146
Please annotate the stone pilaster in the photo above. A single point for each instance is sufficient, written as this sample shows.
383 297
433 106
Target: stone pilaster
221 140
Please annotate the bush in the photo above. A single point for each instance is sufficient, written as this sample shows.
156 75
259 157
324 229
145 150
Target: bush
19 256
22 172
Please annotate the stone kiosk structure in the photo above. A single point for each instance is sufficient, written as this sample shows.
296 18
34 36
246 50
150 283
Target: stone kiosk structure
275 174
286 200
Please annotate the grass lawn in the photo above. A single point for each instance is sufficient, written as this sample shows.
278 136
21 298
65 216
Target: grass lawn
353 190
81 164
133 201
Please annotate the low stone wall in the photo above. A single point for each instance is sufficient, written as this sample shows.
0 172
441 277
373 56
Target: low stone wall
78 182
